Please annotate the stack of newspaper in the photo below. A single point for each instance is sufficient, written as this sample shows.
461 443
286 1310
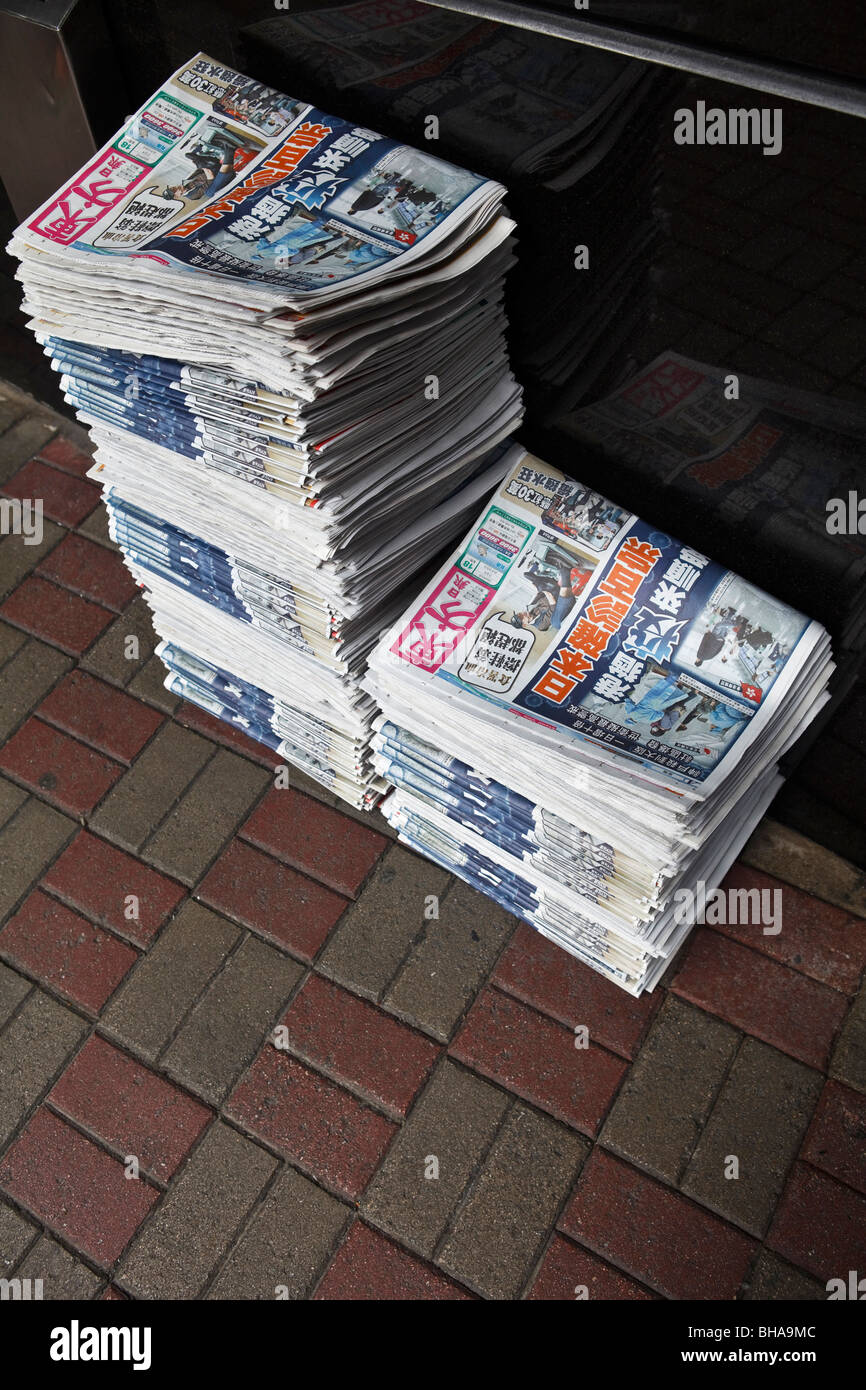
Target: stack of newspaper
583 717
286 333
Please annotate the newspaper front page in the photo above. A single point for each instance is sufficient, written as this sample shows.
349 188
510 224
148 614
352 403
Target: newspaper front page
223 174
570 611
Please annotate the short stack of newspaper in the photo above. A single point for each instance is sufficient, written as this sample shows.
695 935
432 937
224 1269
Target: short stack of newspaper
583 717
286 334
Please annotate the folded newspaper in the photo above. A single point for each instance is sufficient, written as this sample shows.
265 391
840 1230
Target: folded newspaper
583 717
286 334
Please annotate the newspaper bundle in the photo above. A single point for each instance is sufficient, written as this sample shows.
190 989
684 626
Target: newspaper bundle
286 333
583 717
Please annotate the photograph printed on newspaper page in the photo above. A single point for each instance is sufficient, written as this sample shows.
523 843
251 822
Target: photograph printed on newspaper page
565 608
224 174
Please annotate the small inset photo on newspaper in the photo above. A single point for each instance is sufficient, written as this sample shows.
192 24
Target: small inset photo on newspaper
585 516
207 162
668 708
403 195
543 587
741 640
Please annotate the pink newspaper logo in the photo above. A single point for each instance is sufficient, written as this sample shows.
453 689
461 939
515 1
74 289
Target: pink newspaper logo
442 621
93 193
662 389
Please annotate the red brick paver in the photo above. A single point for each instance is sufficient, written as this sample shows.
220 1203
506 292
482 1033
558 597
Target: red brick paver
56 615
367 1266
65 455
653 1233
59 768
836 1141
781 1006
110 720
816 938
272 899
358 1045
76 958
819 1224
65 498
570 1272
312 1120
113 888
134 1111
537 1059
535 970
75 1187
90 570
323 843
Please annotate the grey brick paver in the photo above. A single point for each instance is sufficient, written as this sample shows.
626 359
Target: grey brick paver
21 441
11 798
18 557
375 932
760 1118
513 1203
16 1233
206 815
175 1251
12 407
11 638
137 803
33 1047
149 684
95 527
230 1023
453 1122
29 675
28 844
848 1063
63 1276
450 962
285 1244
13 988
667 1095
108 657
773 1279
167 981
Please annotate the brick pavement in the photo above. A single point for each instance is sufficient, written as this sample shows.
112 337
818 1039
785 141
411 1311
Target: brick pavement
239 1058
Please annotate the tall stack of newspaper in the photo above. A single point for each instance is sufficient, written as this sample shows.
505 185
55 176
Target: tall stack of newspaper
286 333
583 717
